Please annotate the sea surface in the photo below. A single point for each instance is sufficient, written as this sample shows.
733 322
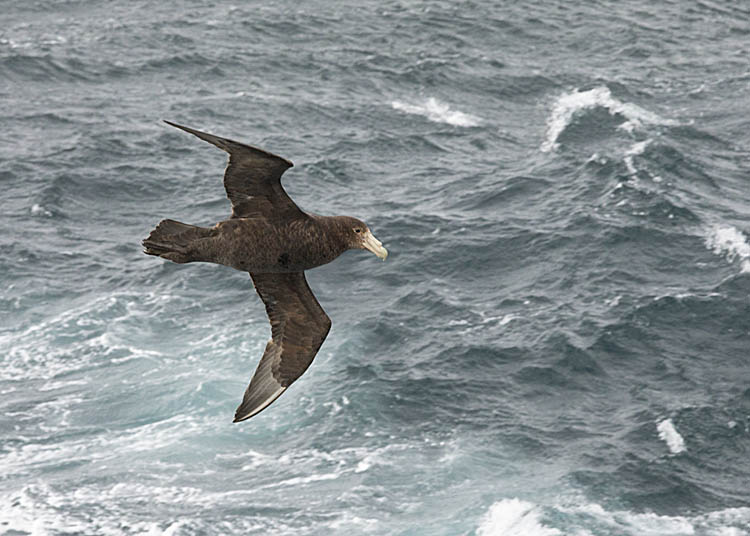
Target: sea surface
558 344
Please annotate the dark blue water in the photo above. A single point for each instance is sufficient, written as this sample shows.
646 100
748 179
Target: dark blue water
557 345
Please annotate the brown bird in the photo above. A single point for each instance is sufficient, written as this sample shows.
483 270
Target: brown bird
272 239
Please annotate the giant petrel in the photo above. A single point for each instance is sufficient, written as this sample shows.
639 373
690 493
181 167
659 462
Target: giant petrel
272 239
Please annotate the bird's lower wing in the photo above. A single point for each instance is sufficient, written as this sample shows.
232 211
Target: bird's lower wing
299 325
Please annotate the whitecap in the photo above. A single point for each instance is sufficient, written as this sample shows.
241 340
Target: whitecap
173 529
40 509
74 339
731 242
39 210
320 463
438 111
669 434
297 480
635 150
346 519
613 302
335 406
592 516
363 465
569 104
514 517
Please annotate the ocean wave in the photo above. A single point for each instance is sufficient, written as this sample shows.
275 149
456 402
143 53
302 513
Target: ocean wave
39 210
41 509
730 242
438 111
569 105
516 517
57 510
669 434
120 373
513 517
87 335
45 68
635 150
84 449
34 42
310 465
511 193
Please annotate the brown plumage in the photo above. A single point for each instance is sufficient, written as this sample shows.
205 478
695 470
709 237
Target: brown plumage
272 239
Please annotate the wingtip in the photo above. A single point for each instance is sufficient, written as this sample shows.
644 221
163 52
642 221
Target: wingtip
239 417
172 124
226 144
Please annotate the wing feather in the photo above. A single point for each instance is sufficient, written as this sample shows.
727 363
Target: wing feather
252 178
299 325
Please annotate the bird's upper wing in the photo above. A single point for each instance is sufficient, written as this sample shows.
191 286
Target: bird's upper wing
299 326
252 178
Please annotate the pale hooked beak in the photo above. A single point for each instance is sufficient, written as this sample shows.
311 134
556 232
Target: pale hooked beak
374 245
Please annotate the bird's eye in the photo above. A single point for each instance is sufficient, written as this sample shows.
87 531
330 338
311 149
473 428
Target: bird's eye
357 230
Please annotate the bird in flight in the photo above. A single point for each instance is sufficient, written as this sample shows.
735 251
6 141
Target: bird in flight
268 236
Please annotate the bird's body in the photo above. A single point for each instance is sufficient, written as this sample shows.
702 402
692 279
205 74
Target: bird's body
272 239
258 245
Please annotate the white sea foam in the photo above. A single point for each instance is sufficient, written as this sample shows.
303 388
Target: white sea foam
474 324
299 480
356 523
41 510
58 344
511 517
39 210
437 111
669 434
731 242
635 150
514 517
145 438
569 104
344 461
731 521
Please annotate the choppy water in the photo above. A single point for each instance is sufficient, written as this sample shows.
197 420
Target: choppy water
557 345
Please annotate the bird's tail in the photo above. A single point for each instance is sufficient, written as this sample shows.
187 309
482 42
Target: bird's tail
175 241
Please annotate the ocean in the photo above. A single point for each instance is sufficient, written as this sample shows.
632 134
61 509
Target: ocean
557 345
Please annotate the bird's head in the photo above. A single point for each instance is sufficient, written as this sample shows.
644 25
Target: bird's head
359 236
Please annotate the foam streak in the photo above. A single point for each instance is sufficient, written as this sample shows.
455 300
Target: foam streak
437 111
669 434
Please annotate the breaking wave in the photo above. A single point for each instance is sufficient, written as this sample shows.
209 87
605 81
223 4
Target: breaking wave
669 434
730 242
511 517
568 105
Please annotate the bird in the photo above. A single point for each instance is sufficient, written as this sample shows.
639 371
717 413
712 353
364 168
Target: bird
270 237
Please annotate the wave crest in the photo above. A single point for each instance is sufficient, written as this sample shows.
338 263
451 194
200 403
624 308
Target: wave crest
669 434
513 517
730 242
568 105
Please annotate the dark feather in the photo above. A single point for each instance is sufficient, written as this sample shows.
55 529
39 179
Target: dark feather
299 325
252 178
